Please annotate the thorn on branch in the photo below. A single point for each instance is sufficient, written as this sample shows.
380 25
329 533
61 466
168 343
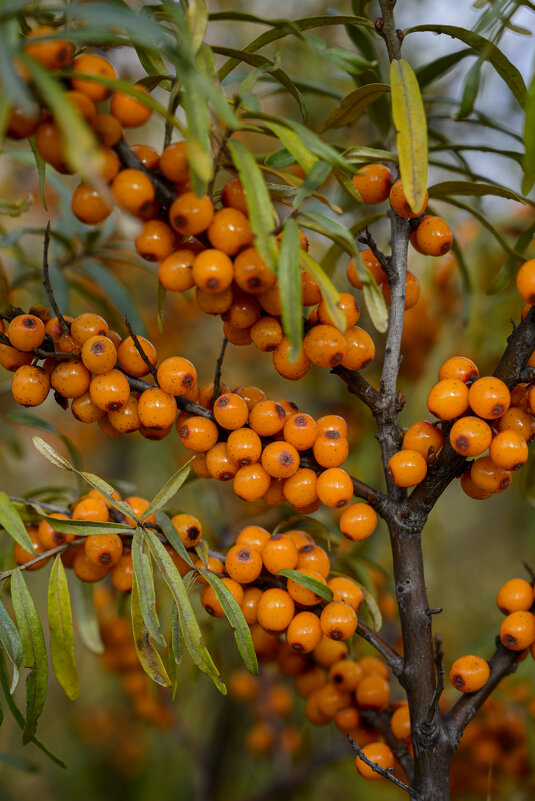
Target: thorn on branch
139 348
46 281
436 611
529 571
439 666
218 368
387 773
379 24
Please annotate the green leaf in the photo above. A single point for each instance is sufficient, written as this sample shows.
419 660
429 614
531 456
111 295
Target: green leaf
197 19
447 188
353 105
19 717
31 419
258 202
508 269
148 656
316 145
280 159
427 73
362 155
10 639
61 631
472 82
345 60
488 51
152 63
172 537
373 608
483 219
235 617
308 582
34 656
175 651
168 491
293 144
529 140
315 178
331 257
11 521
290 286
162 292
86 616
145 586
329 293
86 528
411 128
115 292
188 622
40 163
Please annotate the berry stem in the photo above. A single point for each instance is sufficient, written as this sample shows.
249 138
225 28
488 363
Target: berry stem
46 281
387 774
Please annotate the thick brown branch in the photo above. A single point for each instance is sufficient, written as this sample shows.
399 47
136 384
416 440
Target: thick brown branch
357 385
393 659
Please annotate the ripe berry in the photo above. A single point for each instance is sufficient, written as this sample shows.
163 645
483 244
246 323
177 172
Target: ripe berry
338 620
304 632
230 231
126 419
470 489
267 418
300 430
251 482
99 354
313 557
508 450
244 565
373 692
175 272
212 271
133 191
174 162
347 303
11 358
407 468
516 419
108 129
89 64
380 754
177 376
324 345
109 391
198 434
210 600
360 349
280 459
330 449
469 673
190 215
517 631
88 325
122 574
266 334
310 291
139 505
88 205
488 477
243 312
525 281
52 55
237 336
421 436
219 464
71 379
345 589
21 125
49 537
156 408
287 364
155 241
49 143
400 204
334 487
279 553
372 263
470 436
26 332
91 508
373 182
489 397
347 720
302 595
459 367
516 595
448 399
400 723
253 537
345 674
131 361
244 446
251 273
188 529
129 110
433 236
103 549
358 522
300 489
412 291
30 385
230 411
329 651
22 556
275 609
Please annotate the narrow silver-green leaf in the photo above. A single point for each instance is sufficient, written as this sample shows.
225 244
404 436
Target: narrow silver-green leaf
172 537
332 255
145 584
314 179
373 297
188 622
373 607
235 617
472 188
329 293
175 651
10 639
11 521
353 105
308 582
34 656
529 140
40 164
85 528
293 144
86 616
148 656
258 202
510 266
61 631
168 491
290 286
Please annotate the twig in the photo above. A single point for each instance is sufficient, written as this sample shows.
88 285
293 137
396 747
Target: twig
174 100
139 348
39 558
386 27
366 238
46 281
163 191
359 386
218 368
439 668
386 773
50 507
393 659
381 722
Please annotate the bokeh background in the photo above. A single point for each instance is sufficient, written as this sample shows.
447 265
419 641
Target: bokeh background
196 746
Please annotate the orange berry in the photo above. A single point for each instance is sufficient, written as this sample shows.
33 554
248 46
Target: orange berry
525 281
49 143
516 595
313 557
469 673
21 125
280 459
109 391
49 537
412 291
103 549
489 397
329 651
88 205
300 430
275 609
175 272
517 630
302 595
52 55
433 236
84 410
313 678
516 419
470 436
287 364
304 632
267 418
324 345
249 605
230 231
139 505
373 182
347 303
122 574
380 754
373 692
206 396
190 215
26 332
147 155
488 477
407 468
233 195
279 553
372 263
400 723
448 399
177 376
30 385
358 522
210 600
330 449
266 334
212 563
400 204
91 508
188 529
133 191
310 291
460 368
71 379
237 336
251 482
131 361
338 620
345 675
155 241
174 162
371 665
470 489
22 556
212 271
126 419
347 719
219 464
108 129
198 434
99 354
300 489
230 411
243 311
244 446
251 273
345 589
129 110
89 64
11 358
508 450
244 565
360 349
88 325
334 487
332 422
253 537
156 408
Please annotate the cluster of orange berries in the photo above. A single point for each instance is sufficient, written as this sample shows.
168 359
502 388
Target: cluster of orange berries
481 414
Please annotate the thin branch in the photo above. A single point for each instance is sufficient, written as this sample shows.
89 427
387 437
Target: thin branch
174 100
381 722
39 558
386 27
164 193
387 774
138 346
366 238
218 368
393 659
46 281
50 507
359 386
